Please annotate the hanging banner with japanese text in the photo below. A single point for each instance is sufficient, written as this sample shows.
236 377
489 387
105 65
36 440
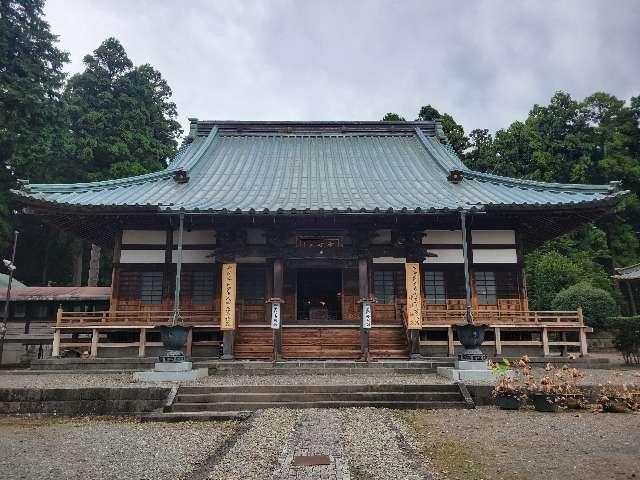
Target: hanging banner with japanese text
275 315
414 299
366 315
228 301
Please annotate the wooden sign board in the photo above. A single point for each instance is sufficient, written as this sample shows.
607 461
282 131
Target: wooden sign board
414 297
228 301
366 315
275 315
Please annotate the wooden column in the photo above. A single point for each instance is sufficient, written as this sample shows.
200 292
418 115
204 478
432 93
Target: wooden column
228 309
55 350
142 343
583 334
363 291
278 293
498 341
95 335
545 342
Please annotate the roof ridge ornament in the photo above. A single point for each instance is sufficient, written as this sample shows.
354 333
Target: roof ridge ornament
455 176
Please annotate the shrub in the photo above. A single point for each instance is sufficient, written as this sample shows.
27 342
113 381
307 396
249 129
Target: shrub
549 273
627 341
597 304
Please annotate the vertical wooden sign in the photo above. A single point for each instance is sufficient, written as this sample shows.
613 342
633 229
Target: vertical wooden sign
228 301
275 315
414 298
366 315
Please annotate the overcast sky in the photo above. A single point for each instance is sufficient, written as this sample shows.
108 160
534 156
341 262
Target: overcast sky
485 62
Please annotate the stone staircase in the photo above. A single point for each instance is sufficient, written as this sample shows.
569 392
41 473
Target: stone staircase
233 400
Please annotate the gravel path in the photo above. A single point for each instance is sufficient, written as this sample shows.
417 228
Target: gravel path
255 454
489 443
316 433
382 448
98 449
82 380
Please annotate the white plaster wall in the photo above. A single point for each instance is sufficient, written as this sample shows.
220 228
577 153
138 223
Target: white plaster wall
443 237
502 237
505 255
194 256
196 237
141 256
144 237
445 255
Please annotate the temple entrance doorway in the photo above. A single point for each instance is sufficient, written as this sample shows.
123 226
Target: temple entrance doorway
319 295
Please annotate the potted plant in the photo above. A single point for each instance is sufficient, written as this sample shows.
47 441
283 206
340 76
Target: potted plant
619 399
556 388
509 392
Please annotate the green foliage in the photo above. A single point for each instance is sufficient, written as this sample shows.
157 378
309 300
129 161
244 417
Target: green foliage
122 121
627 340
547 274
393 117
597 304
453 130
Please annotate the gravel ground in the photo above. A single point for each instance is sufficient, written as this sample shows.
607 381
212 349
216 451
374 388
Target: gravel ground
104 448
382 448
255 454
81 380
488 443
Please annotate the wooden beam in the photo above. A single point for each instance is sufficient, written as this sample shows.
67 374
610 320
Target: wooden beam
278 292
189 346
583 343
451 350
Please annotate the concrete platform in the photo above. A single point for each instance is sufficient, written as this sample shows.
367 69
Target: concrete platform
171 372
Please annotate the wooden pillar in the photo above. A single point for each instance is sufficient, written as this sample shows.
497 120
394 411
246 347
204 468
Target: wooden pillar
363 291
55 350
545 342
95 335
451 347
228 309
583 334
278 294
189 346
498 341
142 344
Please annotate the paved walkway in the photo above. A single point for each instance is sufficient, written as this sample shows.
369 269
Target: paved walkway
317 432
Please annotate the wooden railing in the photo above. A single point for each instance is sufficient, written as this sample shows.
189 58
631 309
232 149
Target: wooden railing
138 317
454 317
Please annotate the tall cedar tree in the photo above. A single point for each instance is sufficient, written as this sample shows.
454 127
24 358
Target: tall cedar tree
122 121
31 78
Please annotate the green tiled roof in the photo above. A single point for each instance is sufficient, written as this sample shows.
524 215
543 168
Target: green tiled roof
317 166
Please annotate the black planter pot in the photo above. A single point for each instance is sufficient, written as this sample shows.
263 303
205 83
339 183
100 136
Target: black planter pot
173 338
471 336
507 402
543 402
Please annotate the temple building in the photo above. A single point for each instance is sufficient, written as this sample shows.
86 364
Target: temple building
318 240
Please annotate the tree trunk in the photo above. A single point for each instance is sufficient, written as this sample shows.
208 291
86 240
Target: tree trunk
94 266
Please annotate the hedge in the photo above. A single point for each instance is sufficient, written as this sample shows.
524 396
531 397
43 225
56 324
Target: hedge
627 340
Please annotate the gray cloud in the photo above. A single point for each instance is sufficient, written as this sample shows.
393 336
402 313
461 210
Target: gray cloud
485 62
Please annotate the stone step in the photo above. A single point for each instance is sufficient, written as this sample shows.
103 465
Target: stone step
201 390
238 397
195 416
235 406
324 371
